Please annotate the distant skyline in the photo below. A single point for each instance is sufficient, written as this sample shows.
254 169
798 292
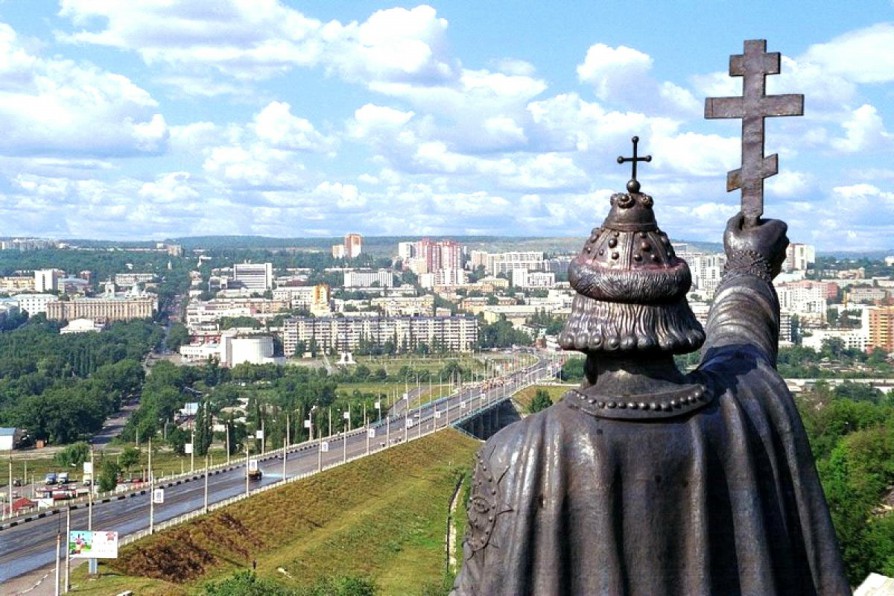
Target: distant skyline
156 119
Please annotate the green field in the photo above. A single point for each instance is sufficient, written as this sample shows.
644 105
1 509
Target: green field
523 398
382 517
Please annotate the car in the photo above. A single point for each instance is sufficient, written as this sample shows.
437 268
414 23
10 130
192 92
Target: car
50 478
17 482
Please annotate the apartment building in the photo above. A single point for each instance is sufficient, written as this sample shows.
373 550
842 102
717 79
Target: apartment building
457 333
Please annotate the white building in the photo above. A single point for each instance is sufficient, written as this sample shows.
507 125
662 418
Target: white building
312 298
457 334
522 278
35 303
382 278
252 349
507 261
443 277
805 299
707 271
234 348
799 257
7 438
47 280
853 338
255 277
406 250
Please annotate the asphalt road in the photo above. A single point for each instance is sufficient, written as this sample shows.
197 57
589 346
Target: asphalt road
30 545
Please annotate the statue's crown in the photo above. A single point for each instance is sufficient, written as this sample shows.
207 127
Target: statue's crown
628 258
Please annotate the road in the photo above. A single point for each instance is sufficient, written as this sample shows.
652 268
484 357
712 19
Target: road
31 545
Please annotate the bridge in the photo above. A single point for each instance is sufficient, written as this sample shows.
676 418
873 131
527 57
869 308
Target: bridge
29 542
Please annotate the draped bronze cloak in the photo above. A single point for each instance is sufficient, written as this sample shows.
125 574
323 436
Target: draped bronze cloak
721 500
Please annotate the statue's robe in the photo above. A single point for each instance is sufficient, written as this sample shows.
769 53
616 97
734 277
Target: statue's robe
721 500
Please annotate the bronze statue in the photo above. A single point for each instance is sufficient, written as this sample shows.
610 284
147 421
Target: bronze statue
646 480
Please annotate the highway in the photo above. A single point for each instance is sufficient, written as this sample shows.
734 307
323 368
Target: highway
29 545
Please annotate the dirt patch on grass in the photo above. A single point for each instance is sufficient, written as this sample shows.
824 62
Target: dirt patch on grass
187 552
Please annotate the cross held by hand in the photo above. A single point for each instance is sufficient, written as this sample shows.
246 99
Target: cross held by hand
633 185
754 105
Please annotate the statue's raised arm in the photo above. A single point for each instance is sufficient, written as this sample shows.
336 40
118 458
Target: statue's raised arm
745 313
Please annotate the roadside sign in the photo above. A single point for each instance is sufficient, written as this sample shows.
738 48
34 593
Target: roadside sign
187 448
158 496
437 413
371 433
324 446
259 434
462 405
88 467
378 405
307 424
346 415
92 545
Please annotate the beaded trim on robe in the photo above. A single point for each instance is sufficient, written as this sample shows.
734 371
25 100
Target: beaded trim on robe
686 399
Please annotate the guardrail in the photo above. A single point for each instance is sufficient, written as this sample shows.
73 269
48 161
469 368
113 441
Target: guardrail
480 406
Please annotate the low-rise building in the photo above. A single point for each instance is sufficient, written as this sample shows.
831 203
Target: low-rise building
118 308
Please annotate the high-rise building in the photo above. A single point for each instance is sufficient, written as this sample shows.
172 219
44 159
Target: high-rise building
431 256
881 328
353 245
256 277
47 280
798 257
406 250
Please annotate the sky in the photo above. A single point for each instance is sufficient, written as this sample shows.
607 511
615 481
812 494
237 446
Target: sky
156 119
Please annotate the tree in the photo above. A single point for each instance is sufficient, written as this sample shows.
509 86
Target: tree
129 458
108 475
541 401
177 336
73 455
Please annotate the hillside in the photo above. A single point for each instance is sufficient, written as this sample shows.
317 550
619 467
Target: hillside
382 517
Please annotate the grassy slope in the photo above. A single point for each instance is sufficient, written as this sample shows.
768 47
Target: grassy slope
383 517
523 398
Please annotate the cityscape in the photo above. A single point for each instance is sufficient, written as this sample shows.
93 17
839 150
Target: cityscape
371 299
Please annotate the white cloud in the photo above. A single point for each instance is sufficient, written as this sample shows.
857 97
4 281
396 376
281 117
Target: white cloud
620 76
276 125
169 188
251 40
789 184
392 46
256 166
613 71
244 39
863 130
52 106
344 196
860 56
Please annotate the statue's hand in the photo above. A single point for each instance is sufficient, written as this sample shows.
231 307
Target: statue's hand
764 238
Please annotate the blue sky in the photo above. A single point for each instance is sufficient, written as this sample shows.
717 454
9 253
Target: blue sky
157 119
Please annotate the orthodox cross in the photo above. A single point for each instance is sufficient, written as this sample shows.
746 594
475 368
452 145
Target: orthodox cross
754 105
633 184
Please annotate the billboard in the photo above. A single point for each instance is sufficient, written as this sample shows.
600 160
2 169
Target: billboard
92 545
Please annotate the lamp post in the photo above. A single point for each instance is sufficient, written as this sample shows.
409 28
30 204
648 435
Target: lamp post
347 416
151 493
285 447
205 507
